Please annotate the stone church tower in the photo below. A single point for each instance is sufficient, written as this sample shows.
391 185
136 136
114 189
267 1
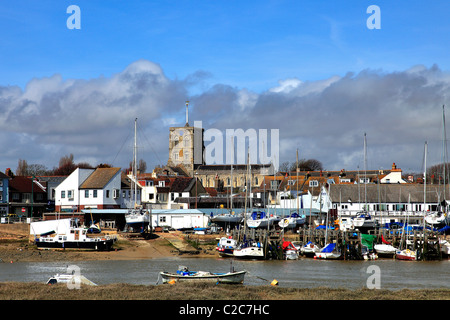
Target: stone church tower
186 146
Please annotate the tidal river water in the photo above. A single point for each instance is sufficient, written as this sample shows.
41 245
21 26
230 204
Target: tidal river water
302 273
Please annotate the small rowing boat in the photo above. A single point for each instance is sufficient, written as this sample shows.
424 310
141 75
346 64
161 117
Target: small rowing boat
183 274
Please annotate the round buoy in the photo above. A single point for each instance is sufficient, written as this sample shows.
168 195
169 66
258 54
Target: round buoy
274 282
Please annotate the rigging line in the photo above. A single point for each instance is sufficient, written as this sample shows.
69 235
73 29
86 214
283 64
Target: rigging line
151 146
120 148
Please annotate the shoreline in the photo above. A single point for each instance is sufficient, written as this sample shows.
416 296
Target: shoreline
16 248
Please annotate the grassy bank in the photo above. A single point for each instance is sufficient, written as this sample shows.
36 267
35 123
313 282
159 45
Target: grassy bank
203 291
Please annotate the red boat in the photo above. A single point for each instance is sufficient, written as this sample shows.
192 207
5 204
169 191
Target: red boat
405 255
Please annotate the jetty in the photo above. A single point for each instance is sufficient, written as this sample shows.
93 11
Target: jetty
351 243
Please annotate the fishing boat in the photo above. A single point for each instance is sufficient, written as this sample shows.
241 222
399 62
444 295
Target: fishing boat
70 236
69 278
406 254
183 274
226 246
328 252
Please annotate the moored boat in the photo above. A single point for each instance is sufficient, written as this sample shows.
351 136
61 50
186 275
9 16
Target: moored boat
70 236
252 251
226 246
406 254
309 249
184 275
385 250
329 252
70 279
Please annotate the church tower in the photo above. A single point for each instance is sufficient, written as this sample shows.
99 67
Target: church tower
186 146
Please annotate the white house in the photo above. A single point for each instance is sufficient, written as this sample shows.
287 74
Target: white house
395 176
99 188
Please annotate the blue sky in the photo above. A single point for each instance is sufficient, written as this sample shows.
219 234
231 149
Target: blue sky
219 50
250 44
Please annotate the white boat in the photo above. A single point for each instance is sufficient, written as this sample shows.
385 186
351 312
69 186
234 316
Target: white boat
184 275
253 251
435 218
292 221
328 252
406 254
383 249
290 251
367 255
445 247
69 235
309 249
364 220
226 246
137 220
259 219
70 278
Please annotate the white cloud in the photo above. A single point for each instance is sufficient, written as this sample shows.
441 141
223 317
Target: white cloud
324 119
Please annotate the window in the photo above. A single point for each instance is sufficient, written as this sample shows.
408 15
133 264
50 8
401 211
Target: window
86 193
70 194
107 193
162 219
63 194
314 183
151 196
95 194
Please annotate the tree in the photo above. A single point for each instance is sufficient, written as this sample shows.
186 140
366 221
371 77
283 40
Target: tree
141 166
22 168
66 166
307 165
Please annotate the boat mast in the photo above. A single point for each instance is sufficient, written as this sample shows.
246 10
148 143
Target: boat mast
365 172
444 151
231 176
424 185
297 186
134 162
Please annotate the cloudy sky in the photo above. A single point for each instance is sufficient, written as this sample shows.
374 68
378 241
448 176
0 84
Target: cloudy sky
311 69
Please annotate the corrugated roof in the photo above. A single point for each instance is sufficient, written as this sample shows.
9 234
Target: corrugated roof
387 193
99 178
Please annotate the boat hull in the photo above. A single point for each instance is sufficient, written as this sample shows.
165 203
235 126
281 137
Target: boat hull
405 255
98 245
249 253
228 278
385 250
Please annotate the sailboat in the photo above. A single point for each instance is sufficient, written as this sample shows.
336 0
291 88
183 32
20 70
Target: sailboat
247 248
385 248
406 253
137 218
